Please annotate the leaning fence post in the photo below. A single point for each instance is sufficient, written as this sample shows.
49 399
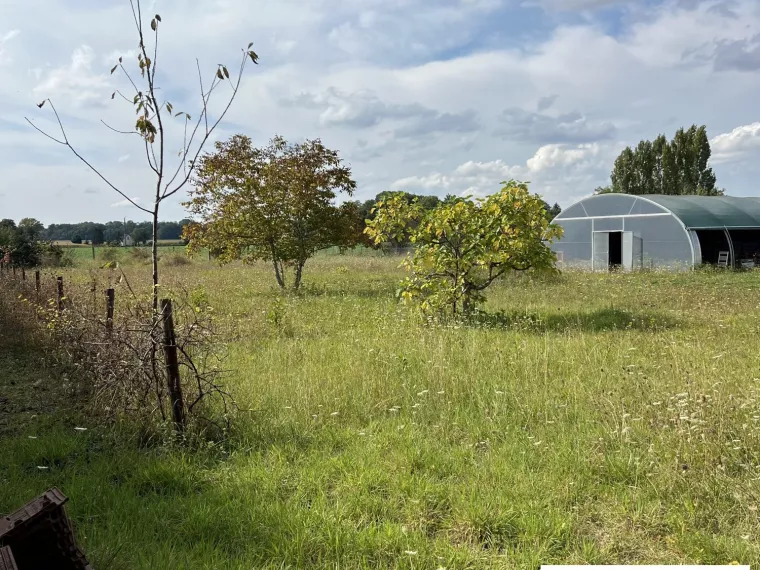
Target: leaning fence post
172 366
110 297
60 293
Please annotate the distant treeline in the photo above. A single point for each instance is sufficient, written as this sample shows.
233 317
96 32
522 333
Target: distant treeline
429 203
114 232
110 232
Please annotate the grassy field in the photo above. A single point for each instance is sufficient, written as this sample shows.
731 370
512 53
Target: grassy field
586 419
81 253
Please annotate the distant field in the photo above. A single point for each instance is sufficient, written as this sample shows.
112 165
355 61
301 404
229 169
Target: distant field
84 252
67 243
586 419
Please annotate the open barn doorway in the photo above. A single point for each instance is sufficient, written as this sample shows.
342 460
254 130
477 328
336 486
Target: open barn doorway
746 245
712 242
616 250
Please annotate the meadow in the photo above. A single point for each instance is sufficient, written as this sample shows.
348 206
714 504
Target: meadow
583 418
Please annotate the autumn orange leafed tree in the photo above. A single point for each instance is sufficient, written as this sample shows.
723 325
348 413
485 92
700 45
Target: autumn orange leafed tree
275 203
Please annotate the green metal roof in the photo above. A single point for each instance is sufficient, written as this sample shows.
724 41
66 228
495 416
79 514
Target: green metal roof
712 211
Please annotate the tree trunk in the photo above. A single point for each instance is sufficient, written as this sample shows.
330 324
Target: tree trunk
278 273
299 273
154 259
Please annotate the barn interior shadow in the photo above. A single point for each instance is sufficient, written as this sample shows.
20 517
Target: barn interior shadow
592 321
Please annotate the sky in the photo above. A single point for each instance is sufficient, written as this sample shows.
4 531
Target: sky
434 97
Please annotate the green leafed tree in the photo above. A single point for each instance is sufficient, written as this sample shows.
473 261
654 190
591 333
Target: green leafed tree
679 166
97 235
22 245
463 246
552 211
275 203
31 227
140 236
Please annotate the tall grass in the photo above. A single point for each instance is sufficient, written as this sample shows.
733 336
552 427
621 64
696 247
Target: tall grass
582 419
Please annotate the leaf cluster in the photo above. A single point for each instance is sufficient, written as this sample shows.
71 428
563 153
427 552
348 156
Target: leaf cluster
463 246
273 203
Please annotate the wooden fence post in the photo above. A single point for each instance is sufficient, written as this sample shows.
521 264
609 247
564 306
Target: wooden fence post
14 271
110 298
23 274
37 280
60 293
172 366
94 292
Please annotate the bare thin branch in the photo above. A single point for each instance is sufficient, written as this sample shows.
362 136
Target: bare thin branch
188 144
118 131
95 170
155 56
52 138
151 163
203 97
120 94
134 14
167 193
137 90
66 143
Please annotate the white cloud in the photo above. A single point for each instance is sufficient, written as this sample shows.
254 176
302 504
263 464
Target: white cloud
573 5
556 155
552 171
5 38
112 58
126 203
737 144
76 81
